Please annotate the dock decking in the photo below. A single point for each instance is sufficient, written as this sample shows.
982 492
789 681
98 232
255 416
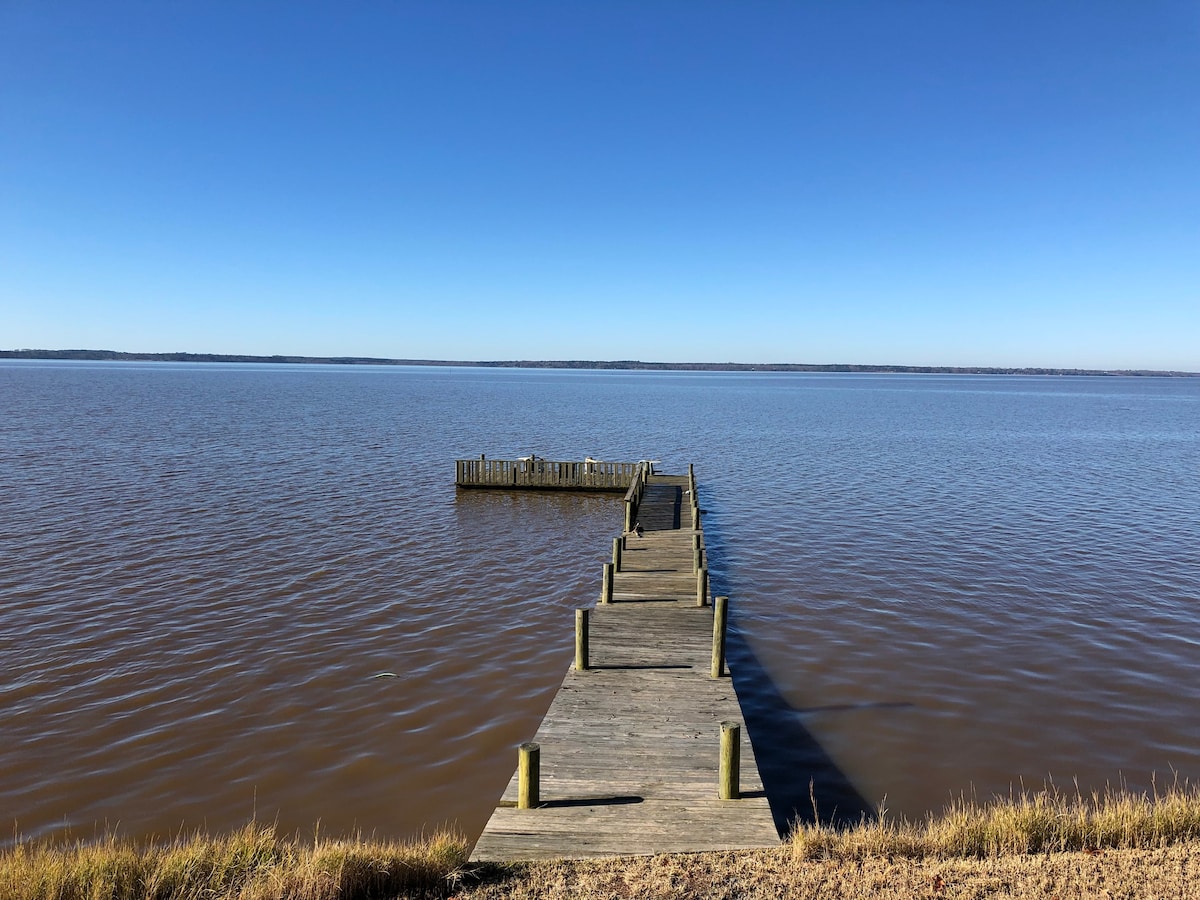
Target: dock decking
629 748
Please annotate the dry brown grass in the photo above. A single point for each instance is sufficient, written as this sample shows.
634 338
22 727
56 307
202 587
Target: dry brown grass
1046 821
1172 872
1044 844
254 864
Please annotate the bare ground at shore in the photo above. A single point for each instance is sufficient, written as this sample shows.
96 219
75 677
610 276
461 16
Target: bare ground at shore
1170 872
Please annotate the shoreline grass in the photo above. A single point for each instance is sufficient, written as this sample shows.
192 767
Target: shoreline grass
252 864
1045 843
1030 822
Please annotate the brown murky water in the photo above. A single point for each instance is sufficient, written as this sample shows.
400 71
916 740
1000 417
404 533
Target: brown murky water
240 591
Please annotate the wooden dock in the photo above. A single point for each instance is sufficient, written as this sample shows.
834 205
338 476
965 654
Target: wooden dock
630 751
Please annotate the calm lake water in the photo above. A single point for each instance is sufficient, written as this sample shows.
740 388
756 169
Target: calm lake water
941 584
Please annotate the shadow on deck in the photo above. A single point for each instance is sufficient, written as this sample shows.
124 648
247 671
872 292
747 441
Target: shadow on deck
660 507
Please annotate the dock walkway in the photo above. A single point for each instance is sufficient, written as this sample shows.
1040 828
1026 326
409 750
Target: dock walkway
629 748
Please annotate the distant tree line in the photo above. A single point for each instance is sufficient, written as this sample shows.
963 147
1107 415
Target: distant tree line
630 364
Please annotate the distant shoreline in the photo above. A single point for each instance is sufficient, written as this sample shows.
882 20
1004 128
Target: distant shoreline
624 364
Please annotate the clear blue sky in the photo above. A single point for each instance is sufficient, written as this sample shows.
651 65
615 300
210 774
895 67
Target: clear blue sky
1002 182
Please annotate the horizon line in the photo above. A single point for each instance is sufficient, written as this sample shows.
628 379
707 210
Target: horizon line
618 365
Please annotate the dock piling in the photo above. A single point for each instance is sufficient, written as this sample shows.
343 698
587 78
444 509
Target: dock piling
702 587
729 787
581 640
606 588
529 776
720 624
617 544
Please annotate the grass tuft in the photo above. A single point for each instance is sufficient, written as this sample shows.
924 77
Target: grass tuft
1046 821
252 864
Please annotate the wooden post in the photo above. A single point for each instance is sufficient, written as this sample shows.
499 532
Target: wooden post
529 775
606 589
729 785
697 558
702 587
616 554
720 624
628 514
581 640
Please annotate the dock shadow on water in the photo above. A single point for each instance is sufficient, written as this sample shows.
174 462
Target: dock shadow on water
802 782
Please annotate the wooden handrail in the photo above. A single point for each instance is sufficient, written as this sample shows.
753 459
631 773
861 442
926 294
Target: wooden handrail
544 474
633 497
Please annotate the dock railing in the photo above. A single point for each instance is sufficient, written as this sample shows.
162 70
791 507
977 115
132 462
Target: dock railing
546 474
633 496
